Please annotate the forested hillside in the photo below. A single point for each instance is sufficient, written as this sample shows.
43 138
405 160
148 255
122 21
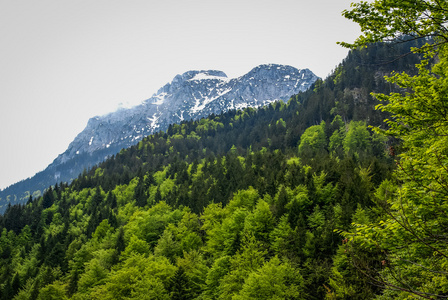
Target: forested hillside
190 96
222 207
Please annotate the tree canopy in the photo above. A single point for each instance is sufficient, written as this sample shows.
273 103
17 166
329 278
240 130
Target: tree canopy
409 232
389 20
292 200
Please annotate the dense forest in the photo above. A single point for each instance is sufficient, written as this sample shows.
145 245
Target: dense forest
295 200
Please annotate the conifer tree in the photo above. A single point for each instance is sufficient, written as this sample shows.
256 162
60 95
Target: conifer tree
180 286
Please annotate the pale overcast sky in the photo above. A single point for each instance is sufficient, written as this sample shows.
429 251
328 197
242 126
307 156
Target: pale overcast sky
62 62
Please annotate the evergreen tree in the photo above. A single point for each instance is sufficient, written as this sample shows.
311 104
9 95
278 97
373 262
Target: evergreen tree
48 198
180 286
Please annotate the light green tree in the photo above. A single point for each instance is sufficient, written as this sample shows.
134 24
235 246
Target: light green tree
281 237
135 246
260 222
411 230
138 277
387 20
195 267
274 280
96 269
338 135
313 139
248 259
357 138
55 291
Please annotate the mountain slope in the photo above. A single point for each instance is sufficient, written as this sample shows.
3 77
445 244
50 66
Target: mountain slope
217 208
192 95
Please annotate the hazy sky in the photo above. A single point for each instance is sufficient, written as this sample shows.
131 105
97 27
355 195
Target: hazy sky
62 62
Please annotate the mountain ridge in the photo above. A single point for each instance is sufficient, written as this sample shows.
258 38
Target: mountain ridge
189 96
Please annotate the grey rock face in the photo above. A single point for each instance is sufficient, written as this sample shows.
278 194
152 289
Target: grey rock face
192 95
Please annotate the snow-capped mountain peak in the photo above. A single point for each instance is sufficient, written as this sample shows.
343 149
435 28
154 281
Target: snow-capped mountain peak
191 95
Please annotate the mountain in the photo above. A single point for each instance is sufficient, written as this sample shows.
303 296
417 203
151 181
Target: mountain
190 96
220 207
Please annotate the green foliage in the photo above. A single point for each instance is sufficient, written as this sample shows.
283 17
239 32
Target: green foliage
136 246
313 139
196 268
385 20
149 225
54 291
289 283
206 125
243 200
357 138
260 222
138 277
247 260
218 270
336 140
282 237
246 205
410 227
96 269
